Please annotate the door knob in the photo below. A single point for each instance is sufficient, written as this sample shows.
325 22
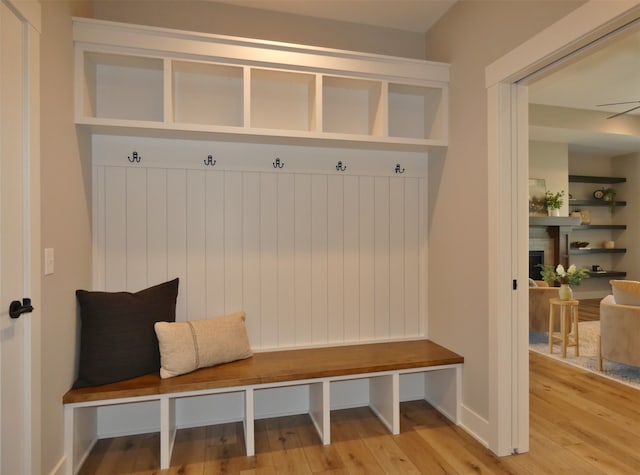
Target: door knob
16 308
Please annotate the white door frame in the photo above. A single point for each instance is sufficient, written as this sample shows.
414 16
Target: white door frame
508 219
29 12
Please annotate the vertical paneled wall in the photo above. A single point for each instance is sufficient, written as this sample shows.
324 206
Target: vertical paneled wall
313 257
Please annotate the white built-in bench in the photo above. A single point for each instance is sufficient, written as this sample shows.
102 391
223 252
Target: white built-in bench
381 363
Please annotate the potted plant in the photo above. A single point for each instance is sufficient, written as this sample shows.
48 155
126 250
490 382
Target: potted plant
554 202
566 278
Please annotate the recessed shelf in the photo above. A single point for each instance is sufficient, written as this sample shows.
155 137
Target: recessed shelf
610 273
282 100
596 203
352 106
599 250
207 93
416 111
610 180
123 87
587 227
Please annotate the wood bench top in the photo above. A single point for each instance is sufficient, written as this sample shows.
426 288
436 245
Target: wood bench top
278 367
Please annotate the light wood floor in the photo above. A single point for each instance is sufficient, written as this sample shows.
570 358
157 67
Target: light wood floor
589 309
580 424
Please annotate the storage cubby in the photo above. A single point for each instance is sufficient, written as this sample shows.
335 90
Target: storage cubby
416 112
207 94
352 106
282 100
123 87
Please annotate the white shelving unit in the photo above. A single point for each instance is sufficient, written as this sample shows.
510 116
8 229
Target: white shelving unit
146 78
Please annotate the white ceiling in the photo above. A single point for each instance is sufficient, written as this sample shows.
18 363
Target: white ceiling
607 73
409 15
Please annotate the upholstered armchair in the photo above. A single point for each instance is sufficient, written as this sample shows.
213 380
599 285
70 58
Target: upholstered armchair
539 306
619 332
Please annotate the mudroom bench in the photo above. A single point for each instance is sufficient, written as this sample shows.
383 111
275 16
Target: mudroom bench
381 364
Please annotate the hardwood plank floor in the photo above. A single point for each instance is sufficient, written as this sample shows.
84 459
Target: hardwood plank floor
581 423
589 310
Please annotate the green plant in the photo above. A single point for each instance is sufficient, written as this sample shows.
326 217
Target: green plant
554 200
571 276
609 195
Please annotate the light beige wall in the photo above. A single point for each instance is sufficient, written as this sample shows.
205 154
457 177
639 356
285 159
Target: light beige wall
66 225
470 36
551 161
230 20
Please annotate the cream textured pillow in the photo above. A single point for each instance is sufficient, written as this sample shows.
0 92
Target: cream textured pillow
626 292
187 346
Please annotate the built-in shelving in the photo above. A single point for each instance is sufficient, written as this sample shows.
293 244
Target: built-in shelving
598 250
610 180
587 227
189 83
608 274
596 203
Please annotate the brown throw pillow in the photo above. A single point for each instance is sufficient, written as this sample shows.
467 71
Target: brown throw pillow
117 340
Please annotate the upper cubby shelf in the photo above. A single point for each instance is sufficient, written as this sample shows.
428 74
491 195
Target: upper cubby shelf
146 80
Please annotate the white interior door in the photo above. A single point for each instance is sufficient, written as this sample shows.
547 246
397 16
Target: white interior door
18 393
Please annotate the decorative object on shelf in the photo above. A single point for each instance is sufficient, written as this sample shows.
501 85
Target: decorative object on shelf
340 167
398 169
537 202
566 278
597 268
609 195
210 162
576 214
598 194
609 244
278 163
554 202
579 244
585 216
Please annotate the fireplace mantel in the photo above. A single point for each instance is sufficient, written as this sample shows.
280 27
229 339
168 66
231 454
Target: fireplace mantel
558 229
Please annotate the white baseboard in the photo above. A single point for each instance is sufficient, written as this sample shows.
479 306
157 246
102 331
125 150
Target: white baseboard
476 425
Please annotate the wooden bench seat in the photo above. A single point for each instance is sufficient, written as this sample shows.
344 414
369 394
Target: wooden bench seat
381 363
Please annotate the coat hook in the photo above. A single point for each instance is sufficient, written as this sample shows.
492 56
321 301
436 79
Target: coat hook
340 167
134 157
278 163
398 169
210 162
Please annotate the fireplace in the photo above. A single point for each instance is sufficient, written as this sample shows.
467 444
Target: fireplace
535 259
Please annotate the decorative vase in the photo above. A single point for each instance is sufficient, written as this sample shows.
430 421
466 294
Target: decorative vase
553 211
565 292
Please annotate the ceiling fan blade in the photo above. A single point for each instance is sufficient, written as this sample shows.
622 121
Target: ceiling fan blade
622 113
617 103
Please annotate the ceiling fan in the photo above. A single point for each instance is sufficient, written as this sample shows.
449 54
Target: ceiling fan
620 103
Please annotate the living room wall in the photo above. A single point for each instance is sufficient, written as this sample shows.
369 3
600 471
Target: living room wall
550 161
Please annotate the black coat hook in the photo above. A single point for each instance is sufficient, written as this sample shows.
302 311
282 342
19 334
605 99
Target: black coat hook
278 163
398 169
210 162
340 167
135 157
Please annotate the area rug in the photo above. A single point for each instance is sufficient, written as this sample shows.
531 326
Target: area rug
589 331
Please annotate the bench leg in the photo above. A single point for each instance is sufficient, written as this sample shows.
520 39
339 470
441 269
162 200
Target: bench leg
68 439
167 430
384 399
249 427
320 409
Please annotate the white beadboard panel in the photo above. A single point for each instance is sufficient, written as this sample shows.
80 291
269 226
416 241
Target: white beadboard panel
335 258
251 275
381 258
214 243
157 224
115 240
319 253
366 249
286 260
312 258
177 236
196 245
302 259
136 218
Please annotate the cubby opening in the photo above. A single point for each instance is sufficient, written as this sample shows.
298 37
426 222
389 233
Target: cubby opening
416 112
352 106
207 94
123 87
282 100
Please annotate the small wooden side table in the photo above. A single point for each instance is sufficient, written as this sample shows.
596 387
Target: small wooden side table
567 311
